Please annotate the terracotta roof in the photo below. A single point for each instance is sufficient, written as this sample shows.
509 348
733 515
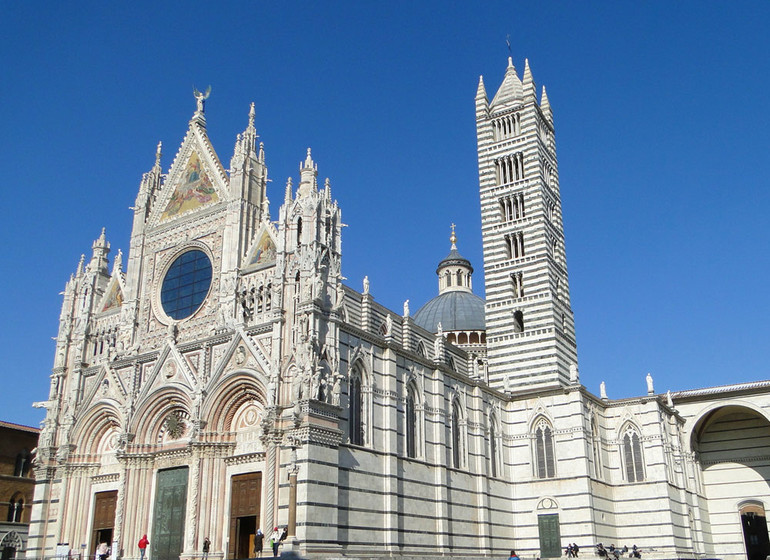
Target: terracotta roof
13 426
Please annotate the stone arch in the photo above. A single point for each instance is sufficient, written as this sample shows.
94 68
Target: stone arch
706 414
731 444
151 415
92 427
228 396
12 539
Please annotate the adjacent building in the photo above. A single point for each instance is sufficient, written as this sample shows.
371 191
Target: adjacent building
222 378
17 485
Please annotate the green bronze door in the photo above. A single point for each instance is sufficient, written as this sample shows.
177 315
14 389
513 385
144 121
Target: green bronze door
550 538
169 514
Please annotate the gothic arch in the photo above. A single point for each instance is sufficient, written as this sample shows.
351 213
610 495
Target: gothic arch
543 447
94 424
151 415
12 540
631 451
458 442
231 392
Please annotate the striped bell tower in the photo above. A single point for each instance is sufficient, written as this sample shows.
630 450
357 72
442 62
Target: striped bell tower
530 327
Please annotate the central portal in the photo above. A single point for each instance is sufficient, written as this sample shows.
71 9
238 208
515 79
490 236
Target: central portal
246 494
169 514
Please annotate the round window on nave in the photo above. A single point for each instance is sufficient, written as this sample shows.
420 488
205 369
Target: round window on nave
186 284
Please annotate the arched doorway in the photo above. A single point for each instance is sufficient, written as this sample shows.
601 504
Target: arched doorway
755 531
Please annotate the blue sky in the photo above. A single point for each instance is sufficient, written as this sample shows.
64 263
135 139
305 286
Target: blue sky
662 128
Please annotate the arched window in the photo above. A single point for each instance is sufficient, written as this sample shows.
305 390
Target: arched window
596 448
518 321
493 454
299 231
22 464
457 451
15 507
544 462
421 349
355 423
411 424
632 455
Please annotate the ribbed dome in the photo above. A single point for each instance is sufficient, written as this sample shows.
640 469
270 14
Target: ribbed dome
456 311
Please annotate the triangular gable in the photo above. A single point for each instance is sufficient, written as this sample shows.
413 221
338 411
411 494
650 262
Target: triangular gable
170 369
241 353
193 189
196 179
107 386
264 251
113 296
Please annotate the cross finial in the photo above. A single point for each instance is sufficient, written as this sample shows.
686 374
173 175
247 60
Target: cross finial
453 237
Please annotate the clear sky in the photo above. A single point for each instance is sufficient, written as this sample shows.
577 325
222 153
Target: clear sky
662 129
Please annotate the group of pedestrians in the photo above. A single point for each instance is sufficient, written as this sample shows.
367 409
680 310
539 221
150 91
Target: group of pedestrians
613 553
571 550
276 539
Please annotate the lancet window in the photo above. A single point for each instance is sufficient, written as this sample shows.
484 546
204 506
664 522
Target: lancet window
632 455
457 435
545 466
355 404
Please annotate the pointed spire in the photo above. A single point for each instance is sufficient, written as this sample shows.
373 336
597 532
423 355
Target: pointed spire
158 154
79 270
308 172
528 82
328 189
252 114
287 195
545 105
481 91
100 249
117 264
510 90
262 152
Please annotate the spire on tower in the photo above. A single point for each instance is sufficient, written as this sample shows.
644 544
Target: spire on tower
287 195
545 105
481 92
528 82
308 171
453 238
510 90
100 249
158 154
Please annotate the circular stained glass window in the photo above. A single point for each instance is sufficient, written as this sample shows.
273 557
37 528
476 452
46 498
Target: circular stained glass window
186 284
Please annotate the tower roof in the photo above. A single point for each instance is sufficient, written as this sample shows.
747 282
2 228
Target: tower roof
511 89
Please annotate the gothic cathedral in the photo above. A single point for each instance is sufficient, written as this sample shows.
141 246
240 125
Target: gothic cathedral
221 379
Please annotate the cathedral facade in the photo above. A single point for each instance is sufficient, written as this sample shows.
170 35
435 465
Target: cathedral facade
222 379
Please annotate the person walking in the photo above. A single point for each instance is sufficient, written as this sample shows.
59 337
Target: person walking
275 540
258 538
206 547
143 542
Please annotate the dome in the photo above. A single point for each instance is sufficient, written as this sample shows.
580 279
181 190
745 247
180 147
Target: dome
454 258
456 311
